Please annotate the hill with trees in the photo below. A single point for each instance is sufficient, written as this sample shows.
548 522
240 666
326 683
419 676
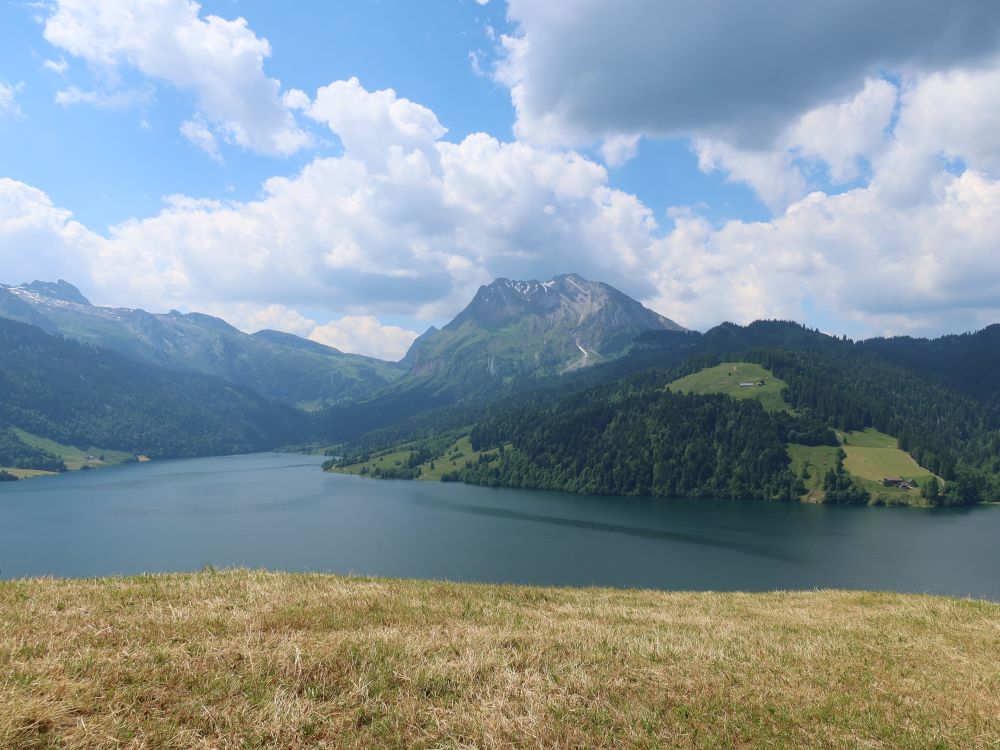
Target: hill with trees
82 395
618 429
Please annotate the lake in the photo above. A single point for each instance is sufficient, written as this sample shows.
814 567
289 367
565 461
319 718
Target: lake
282 512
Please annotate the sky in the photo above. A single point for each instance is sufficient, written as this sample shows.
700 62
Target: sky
352 172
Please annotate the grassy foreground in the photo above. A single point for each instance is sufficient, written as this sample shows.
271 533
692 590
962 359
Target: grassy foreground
258 660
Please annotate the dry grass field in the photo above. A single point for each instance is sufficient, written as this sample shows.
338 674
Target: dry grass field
258 660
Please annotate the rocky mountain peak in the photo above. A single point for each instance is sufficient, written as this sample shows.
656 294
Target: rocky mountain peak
515 328
569 296
60 290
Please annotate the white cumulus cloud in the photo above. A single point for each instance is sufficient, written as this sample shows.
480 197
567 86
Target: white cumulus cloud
56 66
927 268
197 132
8 98
407 223
364 334
619 149
221 60
39 240
372 124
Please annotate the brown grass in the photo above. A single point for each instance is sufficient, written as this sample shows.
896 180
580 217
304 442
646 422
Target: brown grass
258 660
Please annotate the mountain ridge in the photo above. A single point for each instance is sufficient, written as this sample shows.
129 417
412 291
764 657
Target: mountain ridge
82 395
515 329
285 367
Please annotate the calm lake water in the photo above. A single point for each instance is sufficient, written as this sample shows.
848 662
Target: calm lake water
281 512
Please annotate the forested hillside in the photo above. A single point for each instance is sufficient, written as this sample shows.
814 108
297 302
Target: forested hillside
633 438
16 454
952 433
79 395
638 438
615 429
277 365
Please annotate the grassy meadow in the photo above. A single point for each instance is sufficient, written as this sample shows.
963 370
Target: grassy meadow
26 473
452 460
73 457
872 456
812 462
259 660
726 378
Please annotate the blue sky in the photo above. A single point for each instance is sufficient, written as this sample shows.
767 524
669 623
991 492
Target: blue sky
715 163
64 150
421 50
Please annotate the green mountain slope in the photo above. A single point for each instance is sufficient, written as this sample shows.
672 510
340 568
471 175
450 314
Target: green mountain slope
82 396
513 336
276 365
602 429
527 329
456 392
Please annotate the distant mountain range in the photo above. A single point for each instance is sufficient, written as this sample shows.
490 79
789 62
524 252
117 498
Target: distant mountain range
80 395
511 332
274 364
512 335
190 384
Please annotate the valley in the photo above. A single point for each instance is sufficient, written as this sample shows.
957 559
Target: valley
499 375
565 384
867 460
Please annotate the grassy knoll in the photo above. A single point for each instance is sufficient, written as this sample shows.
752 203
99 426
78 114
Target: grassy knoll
257 660
73 457
452 460
726 378
27 473
394 458
811 463
872 456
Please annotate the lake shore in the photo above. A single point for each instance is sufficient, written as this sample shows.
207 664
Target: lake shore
256 659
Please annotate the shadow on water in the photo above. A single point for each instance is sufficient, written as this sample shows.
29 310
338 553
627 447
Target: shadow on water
613 528
281 512
205 510
121 477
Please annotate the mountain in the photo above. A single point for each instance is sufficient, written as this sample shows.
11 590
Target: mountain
841 417
513 335
637 435
83 396
276 365
518 329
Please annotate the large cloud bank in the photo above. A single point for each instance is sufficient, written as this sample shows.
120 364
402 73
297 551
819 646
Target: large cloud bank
221 61
884 188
